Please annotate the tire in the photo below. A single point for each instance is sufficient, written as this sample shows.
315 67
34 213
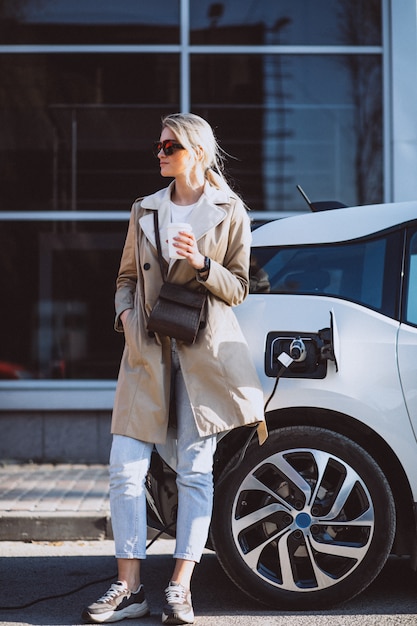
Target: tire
305 521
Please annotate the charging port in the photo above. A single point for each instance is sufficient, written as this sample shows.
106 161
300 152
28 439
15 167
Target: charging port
305 349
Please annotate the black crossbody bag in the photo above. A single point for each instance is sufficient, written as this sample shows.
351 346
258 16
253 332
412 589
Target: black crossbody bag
178 312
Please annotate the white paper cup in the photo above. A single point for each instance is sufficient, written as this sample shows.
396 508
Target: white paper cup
173 229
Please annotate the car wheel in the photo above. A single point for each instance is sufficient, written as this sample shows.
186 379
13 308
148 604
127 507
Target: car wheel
305 521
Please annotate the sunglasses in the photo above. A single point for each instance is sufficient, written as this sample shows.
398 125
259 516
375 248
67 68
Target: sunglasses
168 147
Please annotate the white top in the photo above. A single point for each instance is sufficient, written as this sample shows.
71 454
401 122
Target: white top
181 213
178 214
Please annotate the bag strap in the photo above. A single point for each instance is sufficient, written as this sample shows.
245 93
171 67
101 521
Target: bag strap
158 244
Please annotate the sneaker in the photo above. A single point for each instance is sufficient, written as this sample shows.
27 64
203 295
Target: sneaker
116 604
178 609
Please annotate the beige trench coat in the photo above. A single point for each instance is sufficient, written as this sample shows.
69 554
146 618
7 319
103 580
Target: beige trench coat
221 380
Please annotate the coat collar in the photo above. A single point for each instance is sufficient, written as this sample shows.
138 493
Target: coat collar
207 214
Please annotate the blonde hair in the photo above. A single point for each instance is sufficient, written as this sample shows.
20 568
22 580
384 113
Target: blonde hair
195 135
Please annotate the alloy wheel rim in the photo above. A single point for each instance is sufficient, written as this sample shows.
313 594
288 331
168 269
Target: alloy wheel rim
303 520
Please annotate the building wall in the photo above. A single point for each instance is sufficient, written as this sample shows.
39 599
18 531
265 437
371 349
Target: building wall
55 436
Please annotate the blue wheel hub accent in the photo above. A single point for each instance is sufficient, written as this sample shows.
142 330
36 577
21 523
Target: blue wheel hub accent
303 520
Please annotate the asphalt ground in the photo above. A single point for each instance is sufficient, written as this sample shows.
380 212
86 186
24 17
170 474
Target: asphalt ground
55 580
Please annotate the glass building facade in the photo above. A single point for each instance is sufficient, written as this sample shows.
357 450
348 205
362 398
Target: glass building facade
298 93
293 89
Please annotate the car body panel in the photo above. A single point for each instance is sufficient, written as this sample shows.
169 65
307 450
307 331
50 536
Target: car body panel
407 363
361 389
335 225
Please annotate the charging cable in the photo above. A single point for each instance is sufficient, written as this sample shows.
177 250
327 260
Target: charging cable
297 354
78 589
286 361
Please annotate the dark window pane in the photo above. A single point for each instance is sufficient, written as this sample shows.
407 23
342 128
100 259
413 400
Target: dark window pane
89 22
365 271
314 120
244 22
76 131
58 280
411 290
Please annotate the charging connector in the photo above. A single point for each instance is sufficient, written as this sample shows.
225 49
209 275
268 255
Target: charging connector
298 351
285 359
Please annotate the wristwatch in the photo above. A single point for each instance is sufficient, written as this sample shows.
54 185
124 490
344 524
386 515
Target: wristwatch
206 266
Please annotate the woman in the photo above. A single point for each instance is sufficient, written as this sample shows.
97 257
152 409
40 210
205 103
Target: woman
215 382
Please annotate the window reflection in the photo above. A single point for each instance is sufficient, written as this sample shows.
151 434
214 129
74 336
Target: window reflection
348 22
360 272
411 292
77 133
59 284
89 22
315 121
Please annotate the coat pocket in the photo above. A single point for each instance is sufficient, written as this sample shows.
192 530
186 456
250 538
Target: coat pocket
131 332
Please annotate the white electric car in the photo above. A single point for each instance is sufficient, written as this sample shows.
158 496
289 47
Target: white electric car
309 518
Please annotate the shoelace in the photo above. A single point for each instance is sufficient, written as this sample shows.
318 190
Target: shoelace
116 589
175 594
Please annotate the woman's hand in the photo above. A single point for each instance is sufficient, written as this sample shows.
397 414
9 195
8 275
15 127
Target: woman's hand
186 246
123 316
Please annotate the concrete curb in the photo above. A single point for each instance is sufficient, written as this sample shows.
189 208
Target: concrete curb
57 526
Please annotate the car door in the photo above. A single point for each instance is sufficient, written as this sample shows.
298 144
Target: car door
407 335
